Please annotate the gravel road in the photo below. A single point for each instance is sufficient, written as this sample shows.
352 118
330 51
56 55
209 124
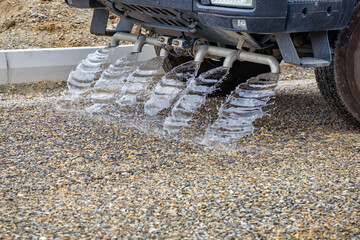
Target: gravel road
66 175
46 24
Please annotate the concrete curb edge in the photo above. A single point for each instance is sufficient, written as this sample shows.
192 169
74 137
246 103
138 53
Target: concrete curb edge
33 65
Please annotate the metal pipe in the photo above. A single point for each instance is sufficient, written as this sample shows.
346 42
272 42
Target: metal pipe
230 59
219 51
153 41
232 55
201 53
262 59
204 51
121 36
140 42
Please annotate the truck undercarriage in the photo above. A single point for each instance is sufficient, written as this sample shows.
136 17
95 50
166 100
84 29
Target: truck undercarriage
228 32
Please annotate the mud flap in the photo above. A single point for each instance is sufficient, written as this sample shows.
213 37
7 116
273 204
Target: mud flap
320 47
84 4
99 22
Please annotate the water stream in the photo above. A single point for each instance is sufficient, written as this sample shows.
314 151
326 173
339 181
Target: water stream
127 83
170 86
193 97
241 108
87 73
139 81
108 87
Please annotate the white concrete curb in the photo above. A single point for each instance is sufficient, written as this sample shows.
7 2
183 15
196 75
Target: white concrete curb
32 65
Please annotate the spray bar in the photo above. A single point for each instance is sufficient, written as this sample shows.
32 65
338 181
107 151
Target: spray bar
232 55
140 41
204 51
260 58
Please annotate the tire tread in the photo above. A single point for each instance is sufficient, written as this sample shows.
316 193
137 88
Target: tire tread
326 83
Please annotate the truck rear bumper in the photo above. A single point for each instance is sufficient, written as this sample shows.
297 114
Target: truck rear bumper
253 24
280 16
267 16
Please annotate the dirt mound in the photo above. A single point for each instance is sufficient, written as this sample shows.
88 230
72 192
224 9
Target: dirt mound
46 23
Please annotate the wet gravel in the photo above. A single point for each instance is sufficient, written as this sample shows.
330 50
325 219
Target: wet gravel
66 175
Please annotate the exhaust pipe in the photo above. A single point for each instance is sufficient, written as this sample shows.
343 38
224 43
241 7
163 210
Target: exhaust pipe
204 51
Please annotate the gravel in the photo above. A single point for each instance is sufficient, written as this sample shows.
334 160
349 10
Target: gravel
67 175
47 24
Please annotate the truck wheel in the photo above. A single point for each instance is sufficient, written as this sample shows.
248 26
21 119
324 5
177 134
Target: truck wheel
239 73
339 83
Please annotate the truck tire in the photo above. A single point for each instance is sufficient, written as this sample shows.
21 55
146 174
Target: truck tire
239 73
339 83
